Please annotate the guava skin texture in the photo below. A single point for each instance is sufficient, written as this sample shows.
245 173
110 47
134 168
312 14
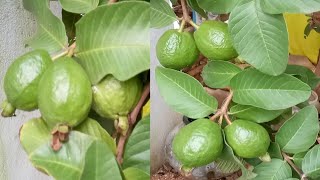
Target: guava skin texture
247 139
22 78
113 98
176 50
214 41
197 144
65 94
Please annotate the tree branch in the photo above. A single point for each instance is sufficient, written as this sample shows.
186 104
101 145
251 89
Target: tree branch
288 159
223 112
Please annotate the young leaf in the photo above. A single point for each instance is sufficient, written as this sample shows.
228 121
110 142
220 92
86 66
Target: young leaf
255 114
311 163
79 6
94 129
261 39
51 34
100 163
161 14
195 6
304 74
184 93
298 158
218 6
274 151
217 74
254 88
276 169
292 6
137 151
107 47
135 174
299 132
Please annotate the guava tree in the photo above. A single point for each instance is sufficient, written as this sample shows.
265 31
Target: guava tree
236 75
87 73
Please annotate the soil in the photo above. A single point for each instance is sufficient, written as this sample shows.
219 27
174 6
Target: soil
167 173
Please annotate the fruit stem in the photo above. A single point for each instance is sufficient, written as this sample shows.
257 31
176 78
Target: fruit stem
123 124
183 22
287 158
223 112
7 109
71 49
63 53
186 16
193 24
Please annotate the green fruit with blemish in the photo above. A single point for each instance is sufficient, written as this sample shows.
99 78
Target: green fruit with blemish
247 139
21 81
65 94
198 143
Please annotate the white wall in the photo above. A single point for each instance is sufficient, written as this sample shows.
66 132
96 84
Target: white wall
16 25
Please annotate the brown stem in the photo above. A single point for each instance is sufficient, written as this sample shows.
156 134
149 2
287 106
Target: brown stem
223 112
111 1
132 120
185 12
196 70
288 159
318 140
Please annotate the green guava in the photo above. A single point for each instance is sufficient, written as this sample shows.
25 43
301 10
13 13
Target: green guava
114 99
65 94
247 139
21 81
198 143
176 50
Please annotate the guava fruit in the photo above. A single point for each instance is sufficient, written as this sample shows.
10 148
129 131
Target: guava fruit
114 99
214 41
198 143
21 81
176 50
247 139
65 94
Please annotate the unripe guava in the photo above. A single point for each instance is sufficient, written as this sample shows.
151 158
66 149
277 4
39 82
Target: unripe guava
21 81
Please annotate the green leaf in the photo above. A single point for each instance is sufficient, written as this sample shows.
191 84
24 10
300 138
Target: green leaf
217 74
137 150
254 88
135 174
107 47
311 163
274 151
298 158
51 34
195 6
79 6
227 163
184 93
299 132
69 21
94 129
100 163
161 14
261 39
255 114
276 169
292 6
218 6
304 74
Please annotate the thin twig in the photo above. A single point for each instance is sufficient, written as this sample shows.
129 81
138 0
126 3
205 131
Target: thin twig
132 120
185 11
59 55
71 50
287 158
223 112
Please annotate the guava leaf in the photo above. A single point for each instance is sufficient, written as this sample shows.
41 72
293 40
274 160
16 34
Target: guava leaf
137 150
217 74
161 14
184 93
79 6
254 88
135 174
260 39
218 6
51 34
299 132
94 129
292 6
298 158
69 20
304 74
276 169
226 163
195 6
311 163
100 163
108 47
255 114
275 151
